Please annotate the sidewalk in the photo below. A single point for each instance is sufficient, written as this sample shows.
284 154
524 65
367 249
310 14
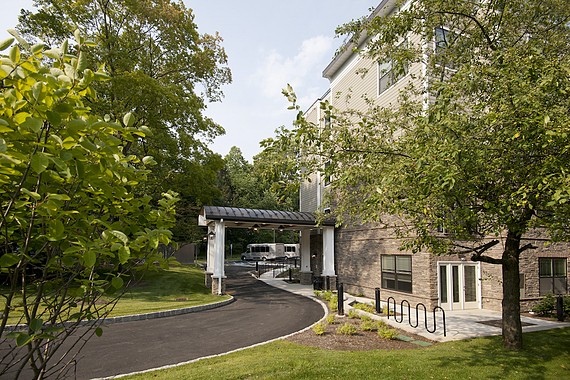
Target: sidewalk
460 324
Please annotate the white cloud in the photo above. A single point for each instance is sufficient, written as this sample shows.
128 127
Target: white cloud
275 71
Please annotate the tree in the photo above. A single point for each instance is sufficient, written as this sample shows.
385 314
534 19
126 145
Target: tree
162 71
72 228
245 185
487 158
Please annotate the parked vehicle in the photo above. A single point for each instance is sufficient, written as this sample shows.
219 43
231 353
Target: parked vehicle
292 250
264 251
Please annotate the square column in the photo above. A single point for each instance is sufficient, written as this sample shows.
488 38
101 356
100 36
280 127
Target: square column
305 274
328 252
218 277
210 246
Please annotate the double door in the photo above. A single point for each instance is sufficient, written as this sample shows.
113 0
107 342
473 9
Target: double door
459 285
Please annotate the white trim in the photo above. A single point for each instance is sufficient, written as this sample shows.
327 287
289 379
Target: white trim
461 279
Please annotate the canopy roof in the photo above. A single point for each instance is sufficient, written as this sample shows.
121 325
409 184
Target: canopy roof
265 219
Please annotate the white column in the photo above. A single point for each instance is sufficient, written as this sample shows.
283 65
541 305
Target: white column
219 242
306 251
210 250
328 252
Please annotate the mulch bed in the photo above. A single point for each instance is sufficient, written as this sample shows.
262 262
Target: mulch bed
361 341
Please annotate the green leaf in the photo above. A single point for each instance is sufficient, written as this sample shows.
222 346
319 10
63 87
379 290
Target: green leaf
14 54
52 53
82 62
36 48
33 124
124 254
77 35
36 325
119 235
32 194
129 119
8 259
39 162
90 258
7 42
23 339
56 229
53 118
64 46
37 90
117 282
3 146
99 331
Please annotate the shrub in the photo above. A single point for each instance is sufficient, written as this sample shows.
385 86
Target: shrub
319 328
333 303
317 293
365 317
347 329
546 306
364 307
327 295
388 333
331 320
368 325
385 310
353 314
381 324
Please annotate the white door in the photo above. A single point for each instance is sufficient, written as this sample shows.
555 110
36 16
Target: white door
459 285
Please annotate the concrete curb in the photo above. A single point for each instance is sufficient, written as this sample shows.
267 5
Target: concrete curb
323 305
134 317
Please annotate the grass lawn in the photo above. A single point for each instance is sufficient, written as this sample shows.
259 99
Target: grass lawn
546 355
162 288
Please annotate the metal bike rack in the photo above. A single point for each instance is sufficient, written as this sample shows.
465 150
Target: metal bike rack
417 315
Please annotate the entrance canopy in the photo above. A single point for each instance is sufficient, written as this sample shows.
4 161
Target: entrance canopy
265 219
217 219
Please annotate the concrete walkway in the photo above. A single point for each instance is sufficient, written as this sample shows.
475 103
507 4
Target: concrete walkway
460 324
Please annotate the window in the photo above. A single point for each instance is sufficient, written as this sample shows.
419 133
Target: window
327 180
552 274
388 75
443 39
397 273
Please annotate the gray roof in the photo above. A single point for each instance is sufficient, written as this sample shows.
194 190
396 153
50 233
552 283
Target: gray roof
247 217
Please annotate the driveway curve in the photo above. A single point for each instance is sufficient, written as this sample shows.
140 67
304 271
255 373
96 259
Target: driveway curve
260 313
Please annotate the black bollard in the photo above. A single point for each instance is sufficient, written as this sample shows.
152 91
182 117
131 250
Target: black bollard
340 299
377 296
559 308
257 266
290 279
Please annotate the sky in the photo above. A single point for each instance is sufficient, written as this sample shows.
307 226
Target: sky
269 44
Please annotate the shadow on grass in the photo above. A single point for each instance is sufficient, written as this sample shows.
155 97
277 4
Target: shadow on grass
543 352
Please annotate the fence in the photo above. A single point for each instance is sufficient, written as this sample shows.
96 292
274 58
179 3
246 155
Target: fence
282 264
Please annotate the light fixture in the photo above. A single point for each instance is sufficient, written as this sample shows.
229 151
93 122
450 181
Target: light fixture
211 234
281 228
255 228
205 238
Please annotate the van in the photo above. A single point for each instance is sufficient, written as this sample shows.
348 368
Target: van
292 250
264 251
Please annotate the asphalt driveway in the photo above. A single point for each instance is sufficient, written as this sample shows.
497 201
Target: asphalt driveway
259 313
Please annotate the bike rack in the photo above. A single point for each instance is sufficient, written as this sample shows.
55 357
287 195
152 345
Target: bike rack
417 315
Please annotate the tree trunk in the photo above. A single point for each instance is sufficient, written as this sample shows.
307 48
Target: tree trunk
512 328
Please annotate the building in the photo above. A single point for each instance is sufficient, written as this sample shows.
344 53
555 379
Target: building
368 256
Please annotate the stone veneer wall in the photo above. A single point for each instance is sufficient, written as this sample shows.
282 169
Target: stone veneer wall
358 251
